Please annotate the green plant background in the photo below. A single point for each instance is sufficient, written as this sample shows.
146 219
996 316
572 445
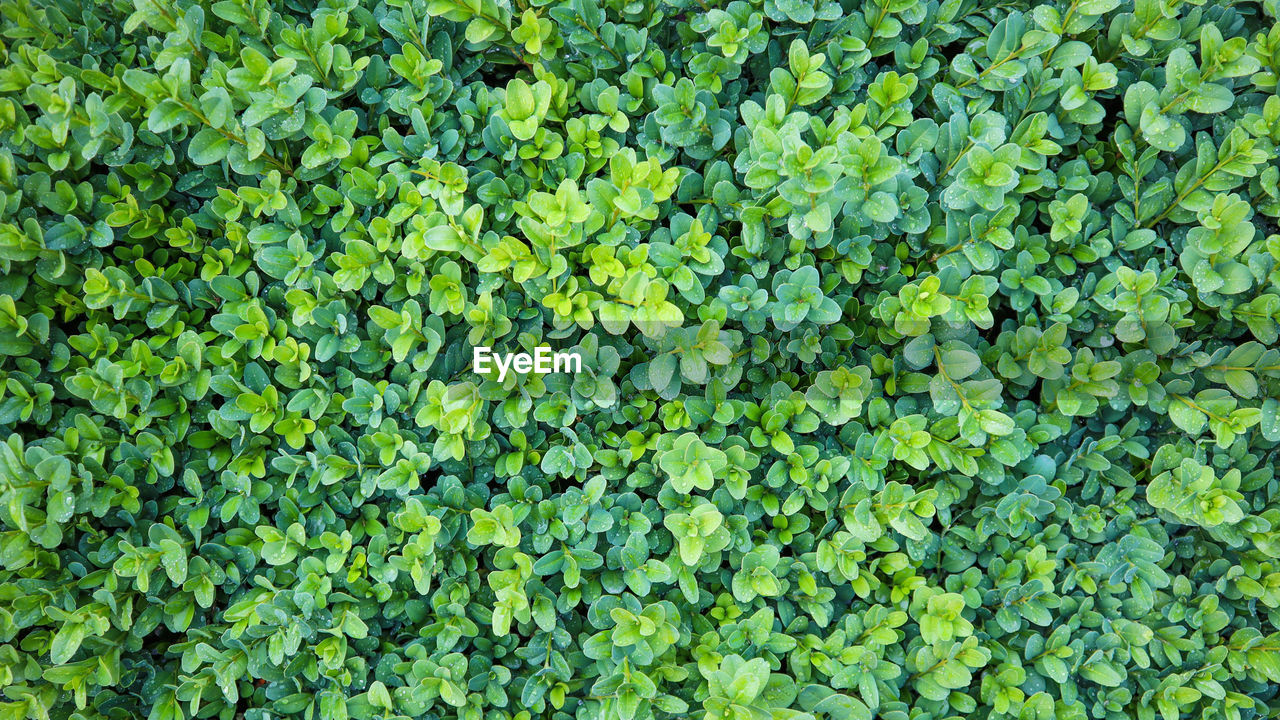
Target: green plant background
929 350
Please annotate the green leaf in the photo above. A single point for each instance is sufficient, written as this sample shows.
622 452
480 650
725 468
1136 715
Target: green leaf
208 147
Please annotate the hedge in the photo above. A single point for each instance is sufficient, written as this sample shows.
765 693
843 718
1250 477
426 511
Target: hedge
929 359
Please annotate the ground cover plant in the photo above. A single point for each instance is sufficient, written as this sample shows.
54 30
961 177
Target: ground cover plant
929 359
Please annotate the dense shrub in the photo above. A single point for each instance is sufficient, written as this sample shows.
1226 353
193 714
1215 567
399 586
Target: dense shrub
929 359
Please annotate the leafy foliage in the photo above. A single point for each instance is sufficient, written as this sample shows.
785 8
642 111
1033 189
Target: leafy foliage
929 359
